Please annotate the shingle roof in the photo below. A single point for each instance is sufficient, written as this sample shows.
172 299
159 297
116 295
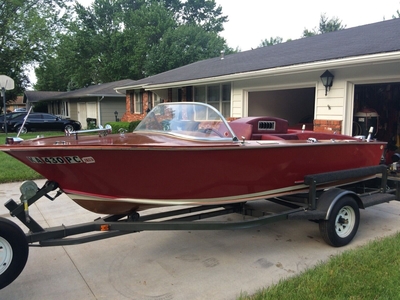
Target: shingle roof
357 41
105 89
35 96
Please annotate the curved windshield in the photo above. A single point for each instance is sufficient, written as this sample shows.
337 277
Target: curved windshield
191 119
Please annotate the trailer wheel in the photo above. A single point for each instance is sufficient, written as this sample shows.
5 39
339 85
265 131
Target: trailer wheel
13 252
342 224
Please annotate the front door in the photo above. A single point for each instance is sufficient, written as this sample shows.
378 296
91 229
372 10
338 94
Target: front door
82 113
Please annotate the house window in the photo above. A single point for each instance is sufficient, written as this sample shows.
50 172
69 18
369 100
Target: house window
65 108
156 100
226 100
175 95
218 96
200 93
138 103
189 93
213 96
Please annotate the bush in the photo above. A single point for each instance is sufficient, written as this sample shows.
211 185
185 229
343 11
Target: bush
133 125
128 126
118 125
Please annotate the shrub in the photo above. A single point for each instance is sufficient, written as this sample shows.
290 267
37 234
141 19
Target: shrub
133 125
118 125
128 126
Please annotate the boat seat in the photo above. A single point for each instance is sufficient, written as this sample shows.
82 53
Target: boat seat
242 130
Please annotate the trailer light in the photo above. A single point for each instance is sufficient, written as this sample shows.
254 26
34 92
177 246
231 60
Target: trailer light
105 227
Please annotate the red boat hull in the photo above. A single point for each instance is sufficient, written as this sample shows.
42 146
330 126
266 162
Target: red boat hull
116 177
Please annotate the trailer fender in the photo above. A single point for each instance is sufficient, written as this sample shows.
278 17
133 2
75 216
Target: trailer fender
328 199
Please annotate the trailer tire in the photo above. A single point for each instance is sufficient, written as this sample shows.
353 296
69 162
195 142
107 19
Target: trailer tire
342 223
14 252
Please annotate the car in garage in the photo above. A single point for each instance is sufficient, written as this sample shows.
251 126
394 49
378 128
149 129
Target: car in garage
41 122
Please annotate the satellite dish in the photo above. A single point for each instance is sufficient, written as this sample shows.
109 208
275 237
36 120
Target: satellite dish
6 82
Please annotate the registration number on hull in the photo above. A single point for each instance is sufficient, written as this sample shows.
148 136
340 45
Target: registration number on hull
59 160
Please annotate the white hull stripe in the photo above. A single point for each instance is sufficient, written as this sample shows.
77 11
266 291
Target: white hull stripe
198 201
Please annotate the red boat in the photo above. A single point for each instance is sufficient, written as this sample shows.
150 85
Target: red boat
188 154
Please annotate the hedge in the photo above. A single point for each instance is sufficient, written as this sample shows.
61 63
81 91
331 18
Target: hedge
128 126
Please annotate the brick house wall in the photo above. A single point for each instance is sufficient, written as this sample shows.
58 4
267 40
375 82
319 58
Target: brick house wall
129 116
328 126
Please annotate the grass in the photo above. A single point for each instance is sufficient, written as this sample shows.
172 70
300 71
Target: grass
370 272
12 169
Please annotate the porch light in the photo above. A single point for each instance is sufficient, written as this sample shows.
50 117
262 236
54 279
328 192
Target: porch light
327 80
116 116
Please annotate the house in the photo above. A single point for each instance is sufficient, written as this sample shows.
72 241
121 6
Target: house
99 102
284 81
12 105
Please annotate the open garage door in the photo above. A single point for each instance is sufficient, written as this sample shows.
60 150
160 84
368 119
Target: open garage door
378 105
294 105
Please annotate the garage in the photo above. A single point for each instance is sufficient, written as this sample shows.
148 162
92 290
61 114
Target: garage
294 105
378 105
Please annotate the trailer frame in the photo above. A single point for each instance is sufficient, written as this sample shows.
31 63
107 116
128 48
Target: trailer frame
336 210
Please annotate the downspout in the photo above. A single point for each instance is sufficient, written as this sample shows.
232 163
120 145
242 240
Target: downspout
99 110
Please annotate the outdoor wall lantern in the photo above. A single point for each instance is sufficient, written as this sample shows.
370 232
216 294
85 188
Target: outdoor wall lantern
327 80
116 116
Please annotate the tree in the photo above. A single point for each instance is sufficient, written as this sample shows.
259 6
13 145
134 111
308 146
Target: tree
272 41
398 15
54 74
119 39
182 46
203 13
27 34
325 25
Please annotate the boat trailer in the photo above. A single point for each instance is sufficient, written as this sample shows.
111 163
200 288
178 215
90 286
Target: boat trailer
336 210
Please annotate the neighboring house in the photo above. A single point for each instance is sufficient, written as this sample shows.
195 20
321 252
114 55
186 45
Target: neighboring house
11 105
99 102
284 81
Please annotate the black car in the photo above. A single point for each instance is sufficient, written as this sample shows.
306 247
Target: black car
41 122
10 116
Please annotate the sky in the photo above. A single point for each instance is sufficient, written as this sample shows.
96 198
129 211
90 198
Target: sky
261 19
252 21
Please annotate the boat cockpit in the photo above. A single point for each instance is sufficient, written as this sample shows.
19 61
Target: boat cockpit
200 121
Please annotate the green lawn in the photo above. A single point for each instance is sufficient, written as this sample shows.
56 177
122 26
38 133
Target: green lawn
370 272
12 169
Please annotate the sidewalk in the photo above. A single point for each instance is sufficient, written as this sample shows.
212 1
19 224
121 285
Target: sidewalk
175 264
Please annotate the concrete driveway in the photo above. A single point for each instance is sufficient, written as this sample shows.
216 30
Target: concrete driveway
175 264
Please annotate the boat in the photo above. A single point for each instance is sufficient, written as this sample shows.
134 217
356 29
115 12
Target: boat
187 153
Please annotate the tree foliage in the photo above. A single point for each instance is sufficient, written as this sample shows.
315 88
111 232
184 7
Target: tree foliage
27 34
325 25
182 46
272 41
120 39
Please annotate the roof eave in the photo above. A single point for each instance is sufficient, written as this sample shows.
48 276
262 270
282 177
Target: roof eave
123 89
292 69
